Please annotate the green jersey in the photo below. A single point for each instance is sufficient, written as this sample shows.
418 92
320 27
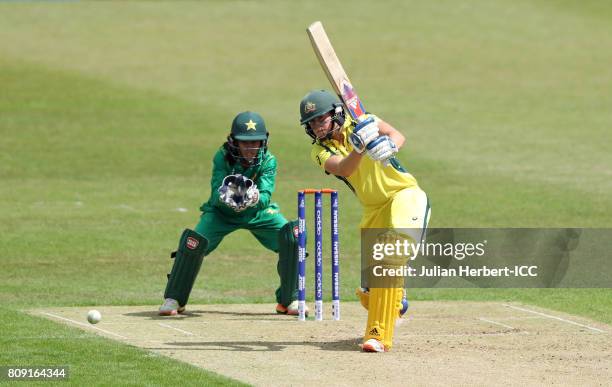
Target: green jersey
263 174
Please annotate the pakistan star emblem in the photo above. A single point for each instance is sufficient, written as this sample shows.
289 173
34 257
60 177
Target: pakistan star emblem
250 125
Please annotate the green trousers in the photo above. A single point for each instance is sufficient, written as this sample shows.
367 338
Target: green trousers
265 226
214 226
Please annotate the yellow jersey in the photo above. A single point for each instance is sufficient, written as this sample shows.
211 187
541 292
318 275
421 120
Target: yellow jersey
373 183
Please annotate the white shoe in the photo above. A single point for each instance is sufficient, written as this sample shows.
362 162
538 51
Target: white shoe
373 345
291 310
170 308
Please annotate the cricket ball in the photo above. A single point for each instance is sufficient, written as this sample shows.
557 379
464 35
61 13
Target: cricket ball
94 317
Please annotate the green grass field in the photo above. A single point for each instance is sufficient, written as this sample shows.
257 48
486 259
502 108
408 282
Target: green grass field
110 114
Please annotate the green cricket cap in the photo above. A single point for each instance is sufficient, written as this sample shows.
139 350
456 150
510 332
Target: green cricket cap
249 126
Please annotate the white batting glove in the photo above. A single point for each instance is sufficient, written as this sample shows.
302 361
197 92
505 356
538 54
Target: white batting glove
382 149
363 134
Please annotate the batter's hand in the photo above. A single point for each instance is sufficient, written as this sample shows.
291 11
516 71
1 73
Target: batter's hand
363 134
382 149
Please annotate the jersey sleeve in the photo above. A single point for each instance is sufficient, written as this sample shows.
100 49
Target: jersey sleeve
218 174
320 155
266 182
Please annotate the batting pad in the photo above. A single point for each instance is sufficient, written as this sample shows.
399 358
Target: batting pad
187 263
287 266
383 310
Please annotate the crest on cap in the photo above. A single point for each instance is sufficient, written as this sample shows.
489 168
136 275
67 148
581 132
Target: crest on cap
251 125
310 107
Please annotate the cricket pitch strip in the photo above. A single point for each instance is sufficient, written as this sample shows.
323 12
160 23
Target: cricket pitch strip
454 343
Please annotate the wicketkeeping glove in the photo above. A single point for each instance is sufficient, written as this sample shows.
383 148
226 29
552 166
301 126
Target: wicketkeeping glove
226 192
363 134
252 196
382 149
238 192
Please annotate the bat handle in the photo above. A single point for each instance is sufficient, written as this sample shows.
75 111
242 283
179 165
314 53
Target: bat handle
387 162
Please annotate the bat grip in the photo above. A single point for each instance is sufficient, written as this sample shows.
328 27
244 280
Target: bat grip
386 162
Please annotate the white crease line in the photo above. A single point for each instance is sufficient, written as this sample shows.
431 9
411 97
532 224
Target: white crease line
84 325
139 323
469 334
176 329
521 318
495 322
555 318
419 318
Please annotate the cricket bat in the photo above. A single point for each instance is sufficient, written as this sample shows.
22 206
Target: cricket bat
335 73
333 69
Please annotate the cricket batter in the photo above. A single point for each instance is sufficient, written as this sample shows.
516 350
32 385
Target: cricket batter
242 183
391 198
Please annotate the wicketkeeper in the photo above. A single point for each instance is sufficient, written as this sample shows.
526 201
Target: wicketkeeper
242 183
357 153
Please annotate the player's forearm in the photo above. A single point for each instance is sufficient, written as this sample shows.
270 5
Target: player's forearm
218 173
215 183
264 199
343 166
398 139
266 185
386 129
